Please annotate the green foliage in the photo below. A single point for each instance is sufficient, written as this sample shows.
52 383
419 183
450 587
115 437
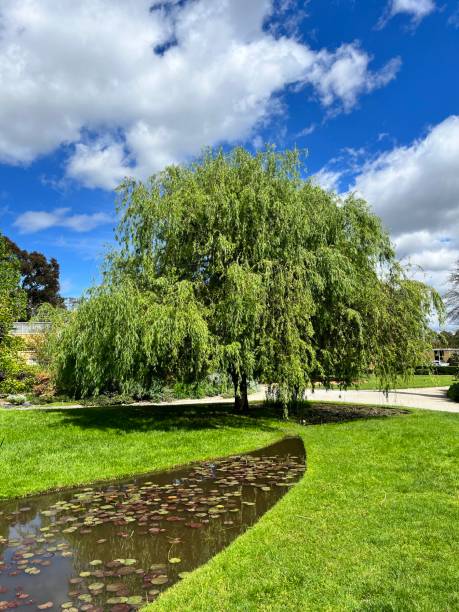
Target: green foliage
235 264
446 339
16 400
39 278
438 370
453 392
46 344
15 375
12 297
121 340
454 360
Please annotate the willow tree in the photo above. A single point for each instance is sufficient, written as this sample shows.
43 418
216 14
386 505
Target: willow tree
279 280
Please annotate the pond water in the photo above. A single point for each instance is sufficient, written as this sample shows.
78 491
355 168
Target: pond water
116 546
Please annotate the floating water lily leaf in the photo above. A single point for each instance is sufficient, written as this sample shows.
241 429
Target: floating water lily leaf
95 562
45 606
85 597
66 605
175 560
85 574
159 580
129 561
134 600
117 600
120 608
183 574
96 586
32 570
114 587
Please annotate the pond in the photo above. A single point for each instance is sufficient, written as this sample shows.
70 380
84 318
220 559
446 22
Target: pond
116 546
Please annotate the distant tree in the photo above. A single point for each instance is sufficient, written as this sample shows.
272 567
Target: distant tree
236 264
452 296
446 339
12 297
13 370
39 278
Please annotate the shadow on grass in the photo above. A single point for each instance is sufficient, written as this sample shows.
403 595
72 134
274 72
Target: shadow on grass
212 416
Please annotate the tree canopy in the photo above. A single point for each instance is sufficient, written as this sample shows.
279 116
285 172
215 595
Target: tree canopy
12 297
12 307
39 278
236 264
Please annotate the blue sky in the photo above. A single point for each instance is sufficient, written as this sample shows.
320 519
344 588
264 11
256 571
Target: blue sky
94 90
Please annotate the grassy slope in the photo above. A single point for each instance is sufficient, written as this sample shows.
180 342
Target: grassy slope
416 381
372 526
56 448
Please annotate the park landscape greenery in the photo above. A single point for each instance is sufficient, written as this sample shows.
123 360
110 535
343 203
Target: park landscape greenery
235 266
371 526
234 269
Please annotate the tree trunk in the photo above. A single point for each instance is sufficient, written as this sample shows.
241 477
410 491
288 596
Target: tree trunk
237 392
244 398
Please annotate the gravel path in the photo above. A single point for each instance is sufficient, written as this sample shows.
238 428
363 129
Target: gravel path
431 398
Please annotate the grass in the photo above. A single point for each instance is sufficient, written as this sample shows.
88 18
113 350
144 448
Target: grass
46 449
372 526
417 381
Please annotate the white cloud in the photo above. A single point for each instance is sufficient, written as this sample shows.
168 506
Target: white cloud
344 75
129 87
35 221
415 189
417 9
327 179
98 164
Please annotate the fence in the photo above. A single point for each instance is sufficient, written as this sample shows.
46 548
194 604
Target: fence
25 328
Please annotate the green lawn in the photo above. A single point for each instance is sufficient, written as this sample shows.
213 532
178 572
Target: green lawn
372 525
416 381
44 449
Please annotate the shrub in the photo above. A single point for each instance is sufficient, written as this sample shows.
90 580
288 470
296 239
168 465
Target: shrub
437 370
44 386
16 400
453 392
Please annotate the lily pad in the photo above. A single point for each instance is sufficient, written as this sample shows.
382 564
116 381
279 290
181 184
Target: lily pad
159 580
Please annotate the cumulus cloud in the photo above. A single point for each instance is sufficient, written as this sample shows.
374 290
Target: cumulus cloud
131 85
327 179
31 221
417 9
415 189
